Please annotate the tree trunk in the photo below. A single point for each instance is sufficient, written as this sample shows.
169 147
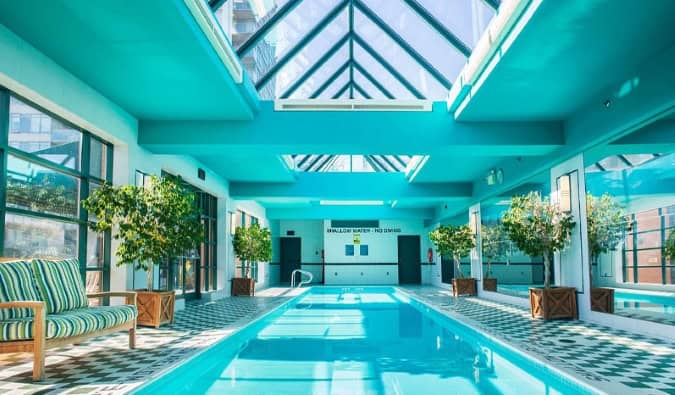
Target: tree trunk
489 269
459 266
547 270
150 277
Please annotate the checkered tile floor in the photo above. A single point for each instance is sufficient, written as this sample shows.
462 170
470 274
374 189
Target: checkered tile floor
668 319
105 365
616 361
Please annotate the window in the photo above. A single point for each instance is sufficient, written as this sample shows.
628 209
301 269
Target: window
643 258
51 165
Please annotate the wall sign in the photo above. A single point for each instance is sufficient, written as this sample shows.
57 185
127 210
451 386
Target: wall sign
357 238
363 230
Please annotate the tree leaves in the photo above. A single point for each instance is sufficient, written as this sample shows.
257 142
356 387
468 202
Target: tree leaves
453 240
605 221
252 244
154 223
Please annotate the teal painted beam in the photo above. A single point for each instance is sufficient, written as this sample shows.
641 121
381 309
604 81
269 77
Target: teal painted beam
349 186
300 45
403 43
372 80
369 132
329 81
347 212
391 69
316 66
439 27
361 91
266 27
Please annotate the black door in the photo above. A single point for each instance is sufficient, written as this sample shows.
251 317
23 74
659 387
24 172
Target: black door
409 269
447 270
289 254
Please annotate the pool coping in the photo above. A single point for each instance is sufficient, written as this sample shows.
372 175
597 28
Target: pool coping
235 328
589 385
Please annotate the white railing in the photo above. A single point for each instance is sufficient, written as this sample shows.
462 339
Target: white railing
302 282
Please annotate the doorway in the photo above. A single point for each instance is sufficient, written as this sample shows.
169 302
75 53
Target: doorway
409 261
447 270
290 255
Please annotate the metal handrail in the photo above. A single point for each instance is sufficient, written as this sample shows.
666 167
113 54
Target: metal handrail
302 282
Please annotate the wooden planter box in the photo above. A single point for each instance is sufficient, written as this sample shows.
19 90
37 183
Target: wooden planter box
490 284
243 286
553 303
155 307
602 300
464 286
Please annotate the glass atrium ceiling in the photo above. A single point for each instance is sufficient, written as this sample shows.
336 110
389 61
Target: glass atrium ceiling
354 163
359 49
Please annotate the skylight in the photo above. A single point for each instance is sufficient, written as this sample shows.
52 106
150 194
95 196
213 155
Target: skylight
354 49
355 163
621 162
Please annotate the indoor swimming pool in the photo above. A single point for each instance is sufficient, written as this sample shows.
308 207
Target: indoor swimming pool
370 340
644 302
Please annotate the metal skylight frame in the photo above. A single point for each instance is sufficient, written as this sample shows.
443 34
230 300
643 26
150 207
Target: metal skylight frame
318 163
351 38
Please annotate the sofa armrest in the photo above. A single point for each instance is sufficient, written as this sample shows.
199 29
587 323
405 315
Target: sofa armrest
36 305
129 296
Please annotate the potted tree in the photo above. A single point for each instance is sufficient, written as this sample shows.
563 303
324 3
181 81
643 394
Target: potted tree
456 241
540 228
152 224
251 245
494 245
605 220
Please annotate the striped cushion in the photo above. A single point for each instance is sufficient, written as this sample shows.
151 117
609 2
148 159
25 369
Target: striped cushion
70 323
17 282
60 284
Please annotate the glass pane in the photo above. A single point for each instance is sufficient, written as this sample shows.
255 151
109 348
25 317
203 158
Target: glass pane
33 237
93 186
648 220
190 273
670 275
417 33
247 17
37 133
368 86
94 283
36 188
466 19
383 76
649 257
311 53
649 275
335 86
333 64
202 273
629 275
95 249
399 59
649 239
97 159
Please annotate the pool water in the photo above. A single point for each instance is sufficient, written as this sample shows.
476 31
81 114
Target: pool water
371 340
644 302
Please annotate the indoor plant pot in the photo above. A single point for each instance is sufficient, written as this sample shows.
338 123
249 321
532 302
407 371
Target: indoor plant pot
553 303
464 286
490 284
242 286
155 307
602 300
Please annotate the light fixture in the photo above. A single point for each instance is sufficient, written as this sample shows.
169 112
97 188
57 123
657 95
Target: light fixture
564 195
473 222
233 223
351 202
495 176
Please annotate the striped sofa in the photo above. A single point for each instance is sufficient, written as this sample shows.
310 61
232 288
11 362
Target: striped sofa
44 304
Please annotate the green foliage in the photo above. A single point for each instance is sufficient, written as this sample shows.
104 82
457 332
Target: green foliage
669 248
252 245
455 241
495 244
538 227
152 223
605 221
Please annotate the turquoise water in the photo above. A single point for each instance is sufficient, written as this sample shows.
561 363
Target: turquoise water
650 303
372 340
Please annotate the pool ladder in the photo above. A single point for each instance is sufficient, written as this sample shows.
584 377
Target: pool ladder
302 282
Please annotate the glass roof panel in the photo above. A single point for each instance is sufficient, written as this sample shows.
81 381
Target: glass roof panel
467 19
249 16
420 35
310 54
335 86
384 77
320 76
368 86
352 163
344 94
392 53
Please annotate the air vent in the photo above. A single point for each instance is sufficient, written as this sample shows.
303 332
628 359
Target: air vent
353 105
207 22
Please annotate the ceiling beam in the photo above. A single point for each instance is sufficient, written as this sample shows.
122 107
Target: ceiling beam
300 45
316 66
266 27
369 132
403 43
349 186
391 69
439 27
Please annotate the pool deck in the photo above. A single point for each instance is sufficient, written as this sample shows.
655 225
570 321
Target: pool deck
614 361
